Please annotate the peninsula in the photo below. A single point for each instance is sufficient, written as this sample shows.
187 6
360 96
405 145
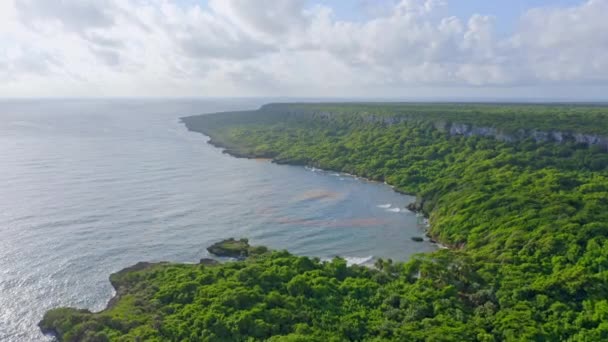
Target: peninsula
519 193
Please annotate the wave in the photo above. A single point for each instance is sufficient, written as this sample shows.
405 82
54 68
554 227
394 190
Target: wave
394 210
384 206
358 260
368 260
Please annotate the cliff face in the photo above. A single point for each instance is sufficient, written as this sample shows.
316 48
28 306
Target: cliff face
455 128
538 136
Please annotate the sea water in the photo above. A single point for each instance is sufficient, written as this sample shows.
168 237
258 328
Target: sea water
89 187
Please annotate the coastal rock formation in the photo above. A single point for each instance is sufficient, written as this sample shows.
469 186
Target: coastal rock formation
230 248
457 128
537 135
414 207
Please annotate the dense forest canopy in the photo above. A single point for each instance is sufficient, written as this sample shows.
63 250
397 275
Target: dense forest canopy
510 117
527 223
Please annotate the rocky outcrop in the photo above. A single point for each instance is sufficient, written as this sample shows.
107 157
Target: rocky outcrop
414 207
590 139
456 128
230 248
538 136
463 129
233 248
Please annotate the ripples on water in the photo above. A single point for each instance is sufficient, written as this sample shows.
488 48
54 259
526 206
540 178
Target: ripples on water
92 186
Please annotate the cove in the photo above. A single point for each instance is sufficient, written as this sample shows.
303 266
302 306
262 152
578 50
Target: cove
94 186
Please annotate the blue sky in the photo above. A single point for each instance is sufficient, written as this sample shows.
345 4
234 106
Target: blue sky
506 12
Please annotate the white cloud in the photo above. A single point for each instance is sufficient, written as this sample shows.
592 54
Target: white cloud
265 47
565 45
268 19
73 15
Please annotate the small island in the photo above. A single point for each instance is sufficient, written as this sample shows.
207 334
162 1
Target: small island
230 248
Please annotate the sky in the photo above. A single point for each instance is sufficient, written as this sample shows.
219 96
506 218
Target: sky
402 49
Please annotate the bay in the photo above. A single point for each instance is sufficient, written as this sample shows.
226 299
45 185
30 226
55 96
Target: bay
89 187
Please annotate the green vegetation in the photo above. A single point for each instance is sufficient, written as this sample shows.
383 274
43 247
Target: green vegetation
231 248
275 296
527 222
507 117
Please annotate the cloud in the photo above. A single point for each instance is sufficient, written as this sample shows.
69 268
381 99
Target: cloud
267 18
565 44
291 47
100 40
74 15
412 44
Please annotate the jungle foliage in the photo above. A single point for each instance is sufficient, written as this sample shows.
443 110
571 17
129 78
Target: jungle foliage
527 222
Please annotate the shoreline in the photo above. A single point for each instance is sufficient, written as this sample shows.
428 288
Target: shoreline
412 207
119 292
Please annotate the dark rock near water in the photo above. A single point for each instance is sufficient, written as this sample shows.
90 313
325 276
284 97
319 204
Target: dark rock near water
414 207
230 248
417 239
257 250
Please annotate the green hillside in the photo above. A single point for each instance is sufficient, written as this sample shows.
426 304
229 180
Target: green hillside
527 223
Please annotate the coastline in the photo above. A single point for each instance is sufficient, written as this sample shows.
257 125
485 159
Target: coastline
414 207
121 289
147 293
119 292
505 283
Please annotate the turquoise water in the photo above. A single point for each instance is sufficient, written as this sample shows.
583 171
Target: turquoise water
92 186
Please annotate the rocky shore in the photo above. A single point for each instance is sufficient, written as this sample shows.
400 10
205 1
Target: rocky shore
233 248
123 280
415 207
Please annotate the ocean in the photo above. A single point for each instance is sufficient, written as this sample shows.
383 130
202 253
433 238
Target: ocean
89 187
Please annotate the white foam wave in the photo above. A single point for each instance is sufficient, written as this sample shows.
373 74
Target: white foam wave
358 260
384 206
394 210
368 260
